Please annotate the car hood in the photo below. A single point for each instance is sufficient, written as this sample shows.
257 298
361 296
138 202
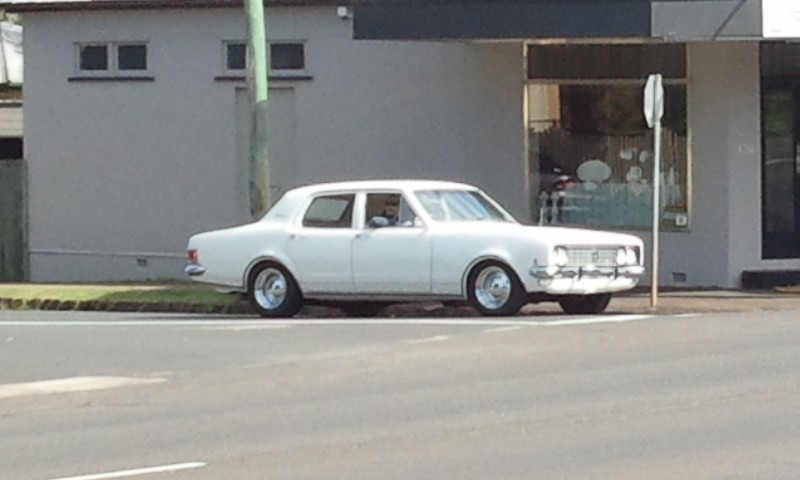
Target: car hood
554 235
579 236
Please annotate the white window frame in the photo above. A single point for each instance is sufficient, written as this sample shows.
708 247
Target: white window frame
113 69
279 72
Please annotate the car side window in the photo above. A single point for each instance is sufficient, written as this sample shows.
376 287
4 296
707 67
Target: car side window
388 210
330 211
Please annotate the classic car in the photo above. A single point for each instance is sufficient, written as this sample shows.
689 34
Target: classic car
366 244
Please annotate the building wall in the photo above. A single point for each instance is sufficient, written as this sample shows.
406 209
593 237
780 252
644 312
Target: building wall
723 113
724 117
121 173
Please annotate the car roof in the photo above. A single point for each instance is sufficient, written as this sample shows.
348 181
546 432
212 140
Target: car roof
405 184
289 202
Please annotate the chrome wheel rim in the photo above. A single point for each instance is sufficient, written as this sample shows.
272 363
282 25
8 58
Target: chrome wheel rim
492 288
270 289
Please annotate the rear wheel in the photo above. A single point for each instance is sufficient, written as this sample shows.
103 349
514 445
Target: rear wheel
273 292
585 304
495 290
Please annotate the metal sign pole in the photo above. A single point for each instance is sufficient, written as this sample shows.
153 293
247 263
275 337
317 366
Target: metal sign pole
653 111
656 209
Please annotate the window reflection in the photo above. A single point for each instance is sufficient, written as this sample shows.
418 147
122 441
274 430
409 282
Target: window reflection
593 152
589 143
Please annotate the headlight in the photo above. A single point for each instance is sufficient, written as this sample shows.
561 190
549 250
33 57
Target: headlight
632 254
622 257
562 259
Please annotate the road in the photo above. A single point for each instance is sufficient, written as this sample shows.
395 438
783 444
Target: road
545 397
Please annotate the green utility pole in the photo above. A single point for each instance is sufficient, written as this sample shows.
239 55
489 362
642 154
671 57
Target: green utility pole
259 66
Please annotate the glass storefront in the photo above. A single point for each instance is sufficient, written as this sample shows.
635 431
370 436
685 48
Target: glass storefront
780 117
589 143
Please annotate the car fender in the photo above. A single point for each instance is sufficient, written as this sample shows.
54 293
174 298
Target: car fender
274 257
495 256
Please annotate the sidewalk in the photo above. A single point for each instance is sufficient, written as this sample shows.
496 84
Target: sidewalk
677 302
638 302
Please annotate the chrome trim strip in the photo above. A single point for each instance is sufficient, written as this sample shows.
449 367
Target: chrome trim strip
550 273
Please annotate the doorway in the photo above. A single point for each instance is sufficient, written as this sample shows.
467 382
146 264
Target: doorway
780 164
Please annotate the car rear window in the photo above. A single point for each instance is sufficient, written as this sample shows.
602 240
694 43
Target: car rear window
330 211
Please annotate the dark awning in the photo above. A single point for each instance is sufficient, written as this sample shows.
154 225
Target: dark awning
22 6
500 19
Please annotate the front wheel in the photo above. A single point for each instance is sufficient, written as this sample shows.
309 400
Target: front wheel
495 290
585 304
273 292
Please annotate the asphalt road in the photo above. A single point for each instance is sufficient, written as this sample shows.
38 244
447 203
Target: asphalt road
549 397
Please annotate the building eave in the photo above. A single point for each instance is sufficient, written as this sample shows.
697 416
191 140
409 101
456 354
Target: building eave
23 6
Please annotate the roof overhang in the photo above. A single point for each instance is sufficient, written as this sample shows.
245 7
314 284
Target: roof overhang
500 19
579 20
22 6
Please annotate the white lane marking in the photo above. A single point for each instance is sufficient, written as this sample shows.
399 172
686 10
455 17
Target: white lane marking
490 322
241 328
136 471
687 315
437 338
71 385
504 329
592 320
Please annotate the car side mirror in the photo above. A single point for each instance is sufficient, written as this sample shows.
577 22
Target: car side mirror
378 222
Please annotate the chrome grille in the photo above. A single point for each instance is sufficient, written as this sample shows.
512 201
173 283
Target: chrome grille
597 256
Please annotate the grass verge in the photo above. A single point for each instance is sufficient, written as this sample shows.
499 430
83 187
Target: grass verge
140 293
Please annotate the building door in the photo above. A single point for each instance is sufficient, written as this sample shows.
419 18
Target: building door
12 220
780 132
780 116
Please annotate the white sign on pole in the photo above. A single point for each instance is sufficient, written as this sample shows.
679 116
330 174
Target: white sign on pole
653 100
653 111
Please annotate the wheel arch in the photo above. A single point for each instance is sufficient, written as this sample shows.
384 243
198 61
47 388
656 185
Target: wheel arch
489 257
268 259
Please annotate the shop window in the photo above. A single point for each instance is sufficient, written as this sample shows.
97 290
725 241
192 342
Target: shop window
592 149
780 167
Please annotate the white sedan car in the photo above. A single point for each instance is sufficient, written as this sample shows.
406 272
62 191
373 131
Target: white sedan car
363 245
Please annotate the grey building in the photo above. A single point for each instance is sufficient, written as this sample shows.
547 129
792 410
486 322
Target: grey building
137 120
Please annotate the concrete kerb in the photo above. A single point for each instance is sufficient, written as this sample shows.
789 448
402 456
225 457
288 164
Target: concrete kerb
635 303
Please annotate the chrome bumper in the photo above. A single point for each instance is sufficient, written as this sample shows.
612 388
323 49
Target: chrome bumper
553 272
194 270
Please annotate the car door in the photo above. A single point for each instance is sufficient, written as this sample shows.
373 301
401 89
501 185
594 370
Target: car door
320 244
393 258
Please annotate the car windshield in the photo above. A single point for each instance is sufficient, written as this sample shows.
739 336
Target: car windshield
460 205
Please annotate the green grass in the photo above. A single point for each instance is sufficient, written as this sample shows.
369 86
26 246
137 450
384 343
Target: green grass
143 293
